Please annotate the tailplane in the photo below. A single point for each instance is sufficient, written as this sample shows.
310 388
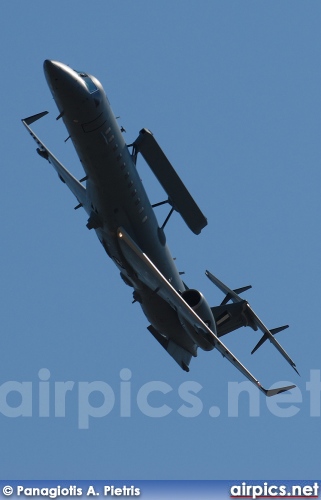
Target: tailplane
245 316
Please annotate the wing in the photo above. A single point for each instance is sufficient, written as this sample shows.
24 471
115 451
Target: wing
74 185
153 278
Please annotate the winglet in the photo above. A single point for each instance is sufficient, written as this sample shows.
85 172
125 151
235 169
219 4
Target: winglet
34 118
274 392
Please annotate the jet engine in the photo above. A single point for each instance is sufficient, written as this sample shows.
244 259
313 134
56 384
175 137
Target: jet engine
198 303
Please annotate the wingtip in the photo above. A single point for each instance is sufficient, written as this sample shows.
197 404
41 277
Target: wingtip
274 392
31 119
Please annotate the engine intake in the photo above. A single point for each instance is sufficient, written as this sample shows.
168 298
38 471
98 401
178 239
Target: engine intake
198 303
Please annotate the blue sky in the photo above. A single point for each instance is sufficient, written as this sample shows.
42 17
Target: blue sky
231 90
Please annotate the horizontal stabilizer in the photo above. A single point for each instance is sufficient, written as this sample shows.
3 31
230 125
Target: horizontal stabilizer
237 291
178 353
252 319
265 337
178 195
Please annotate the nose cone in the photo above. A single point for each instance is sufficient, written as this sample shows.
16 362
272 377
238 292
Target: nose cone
55 73
63 82
47 65
70 90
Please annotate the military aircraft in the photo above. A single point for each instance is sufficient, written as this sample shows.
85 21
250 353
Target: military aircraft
123 218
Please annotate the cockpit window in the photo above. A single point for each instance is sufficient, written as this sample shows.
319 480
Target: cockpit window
88 81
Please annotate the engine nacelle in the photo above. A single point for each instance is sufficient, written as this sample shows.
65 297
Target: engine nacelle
198 303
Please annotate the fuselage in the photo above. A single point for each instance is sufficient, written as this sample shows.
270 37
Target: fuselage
115 191
124 221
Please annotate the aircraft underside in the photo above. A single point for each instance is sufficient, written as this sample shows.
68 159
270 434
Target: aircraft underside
120 212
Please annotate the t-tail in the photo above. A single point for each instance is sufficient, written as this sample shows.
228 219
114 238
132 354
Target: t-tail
229 317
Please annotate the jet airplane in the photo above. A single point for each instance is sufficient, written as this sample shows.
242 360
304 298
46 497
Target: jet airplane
123 218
